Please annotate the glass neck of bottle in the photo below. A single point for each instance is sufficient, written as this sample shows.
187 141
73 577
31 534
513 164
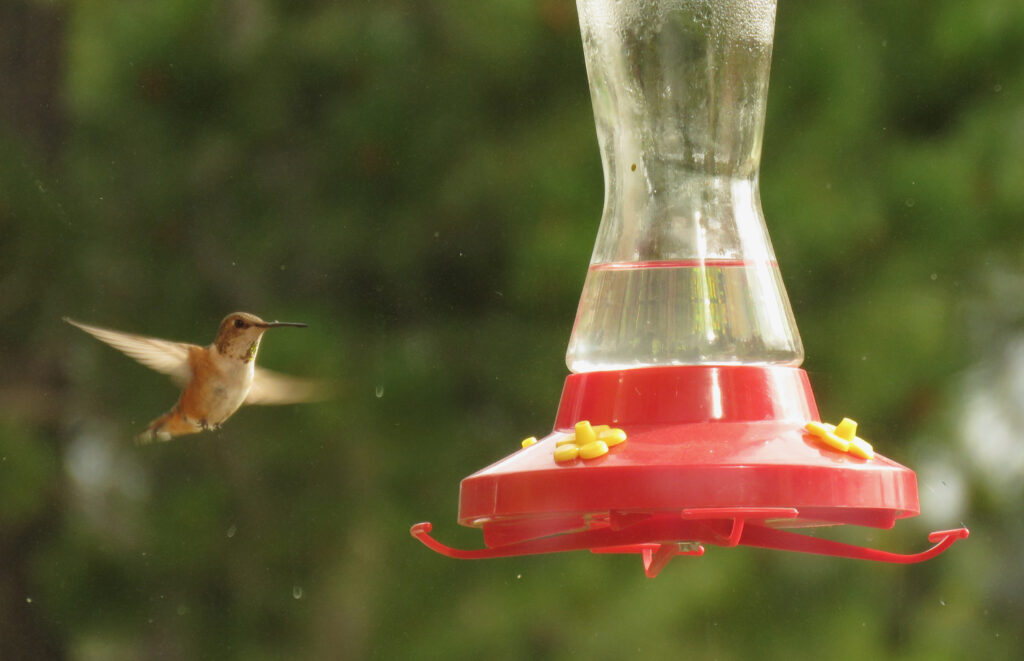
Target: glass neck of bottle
679 90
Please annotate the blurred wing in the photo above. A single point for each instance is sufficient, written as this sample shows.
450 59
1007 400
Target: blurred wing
270 387
164 356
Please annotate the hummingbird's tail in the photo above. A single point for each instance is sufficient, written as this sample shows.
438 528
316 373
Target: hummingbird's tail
167 426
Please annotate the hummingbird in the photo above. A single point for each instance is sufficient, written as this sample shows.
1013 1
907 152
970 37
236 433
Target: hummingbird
217 380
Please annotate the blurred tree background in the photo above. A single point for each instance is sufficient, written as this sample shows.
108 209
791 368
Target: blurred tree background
420 182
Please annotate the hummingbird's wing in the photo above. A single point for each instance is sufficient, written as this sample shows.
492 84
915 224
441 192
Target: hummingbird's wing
164 356
269 387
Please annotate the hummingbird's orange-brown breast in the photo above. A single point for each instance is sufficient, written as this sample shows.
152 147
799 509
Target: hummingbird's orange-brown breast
217 388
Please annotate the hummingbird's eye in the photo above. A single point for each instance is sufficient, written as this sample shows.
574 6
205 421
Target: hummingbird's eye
239 323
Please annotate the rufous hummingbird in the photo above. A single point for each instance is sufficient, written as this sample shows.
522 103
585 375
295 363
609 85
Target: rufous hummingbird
216 380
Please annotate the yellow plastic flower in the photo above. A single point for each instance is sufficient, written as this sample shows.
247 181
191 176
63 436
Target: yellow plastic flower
588 442
842 437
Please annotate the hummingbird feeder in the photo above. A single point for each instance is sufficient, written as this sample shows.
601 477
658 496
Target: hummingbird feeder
686 420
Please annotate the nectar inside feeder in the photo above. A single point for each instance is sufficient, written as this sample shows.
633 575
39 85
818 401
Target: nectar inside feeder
686 420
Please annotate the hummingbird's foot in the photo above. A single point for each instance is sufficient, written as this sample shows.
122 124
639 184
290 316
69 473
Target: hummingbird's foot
205 425
148 436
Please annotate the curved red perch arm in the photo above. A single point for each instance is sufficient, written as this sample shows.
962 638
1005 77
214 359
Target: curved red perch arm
770 538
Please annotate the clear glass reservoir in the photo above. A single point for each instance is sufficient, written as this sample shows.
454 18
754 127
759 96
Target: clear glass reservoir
683 271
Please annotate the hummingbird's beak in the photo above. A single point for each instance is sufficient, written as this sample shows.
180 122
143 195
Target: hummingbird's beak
277 324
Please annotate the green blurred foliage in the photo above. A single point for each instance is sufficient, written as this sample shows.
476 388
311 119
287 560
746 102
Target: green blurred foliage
420 182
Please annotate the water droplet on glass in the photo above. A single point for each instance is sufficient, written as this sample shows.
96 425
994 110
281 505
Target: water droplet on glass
231 531
379 391
297 592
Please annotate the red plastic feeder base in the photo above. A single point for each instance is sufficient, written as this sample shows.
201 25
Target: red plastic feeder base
714 455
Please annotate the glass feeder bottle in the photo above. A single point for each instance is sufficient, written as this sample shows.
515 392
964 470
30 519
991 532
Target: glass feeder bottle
683 272
713 443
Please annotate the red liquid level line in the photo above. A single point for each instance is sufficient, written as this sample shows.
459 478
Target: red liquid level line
717 262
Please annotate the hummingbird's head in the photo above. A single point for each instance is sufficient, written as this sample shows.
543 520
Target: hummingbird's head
240 333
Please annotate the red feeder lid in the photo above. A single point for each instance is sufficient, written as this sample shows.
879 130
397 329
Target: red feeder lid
714 454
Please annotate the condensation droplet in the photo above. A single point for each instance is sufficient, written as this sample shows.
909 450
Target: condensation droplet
379 391
297 592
